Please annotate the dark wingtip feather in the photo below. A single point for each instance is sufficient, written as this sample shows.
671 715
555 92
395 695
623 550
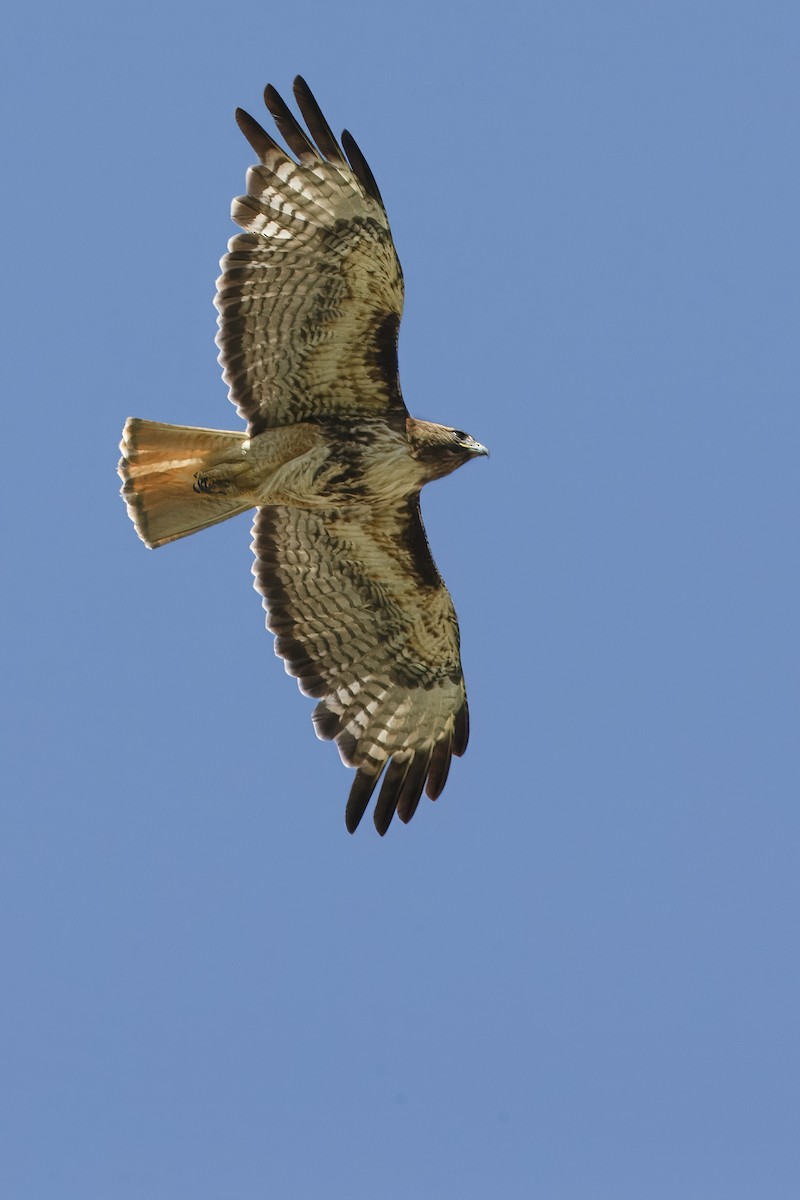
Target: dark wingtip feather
461 731
359 798
439 769
361 167
288 124
258 138
411 791
390 791
318 127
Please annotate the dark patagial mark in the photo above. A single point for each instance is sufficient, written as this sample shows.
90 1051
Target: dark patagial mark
382 355
415 541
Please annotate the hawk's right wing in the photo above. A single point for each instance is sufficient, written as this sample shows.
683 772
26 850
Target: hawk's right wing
363 619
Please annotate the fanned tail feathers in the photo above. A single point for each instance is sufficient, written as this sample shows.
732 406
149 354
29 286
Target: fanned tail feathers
159 468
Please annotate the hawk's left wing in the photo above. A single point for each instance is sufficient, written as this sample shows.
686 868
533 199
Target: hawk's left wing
310 296
364 620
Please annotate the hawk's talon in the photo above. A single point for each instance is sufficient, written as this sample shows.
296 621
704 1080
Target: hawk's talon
207 485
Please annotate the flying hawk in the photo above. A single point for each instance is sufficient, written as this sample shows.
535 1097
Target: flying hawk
309 305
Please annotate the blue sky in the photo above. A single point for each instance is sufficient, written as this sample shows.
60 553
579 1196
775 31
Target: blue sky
575 976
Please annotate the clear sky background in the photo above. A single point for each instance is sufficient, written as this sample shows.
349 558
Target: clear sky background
575 976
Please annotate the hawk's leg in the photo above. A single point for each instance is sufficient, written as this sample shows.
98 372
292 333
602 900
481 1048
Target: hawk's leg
217 481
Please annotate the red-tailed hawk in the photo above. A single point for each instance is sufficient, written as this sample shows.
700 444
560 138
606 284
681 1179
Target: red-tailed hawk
309 304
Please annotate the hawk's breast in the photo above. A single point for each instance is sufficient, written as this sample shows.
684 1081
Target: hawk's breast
368 462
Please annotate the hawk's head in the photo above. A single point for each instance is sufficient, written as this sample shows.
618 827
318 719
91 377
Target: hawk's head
439 448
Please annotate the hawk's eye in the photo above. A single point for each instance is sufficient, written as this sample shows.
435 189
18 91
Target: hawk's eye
460 436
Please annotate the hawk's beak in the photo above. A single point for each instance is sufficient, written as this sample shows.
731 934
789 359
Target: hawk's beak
477 449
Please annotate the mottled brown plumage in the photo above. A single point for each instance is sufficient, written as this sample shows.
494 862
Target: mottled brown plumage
309 301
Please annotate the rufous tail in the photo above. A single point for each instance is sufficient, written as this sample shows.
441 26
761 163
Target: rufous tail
160 466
